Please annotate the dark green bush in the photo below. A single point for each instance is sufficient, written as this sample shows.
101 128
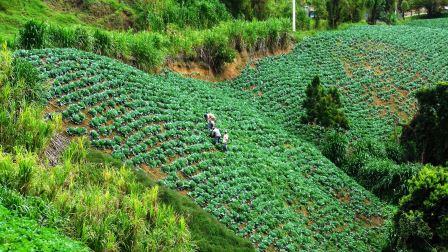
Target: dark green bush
385 178
102 43
216 51
32 35
147 51
421 223
323 107
83 40
334 147
426 137
61 37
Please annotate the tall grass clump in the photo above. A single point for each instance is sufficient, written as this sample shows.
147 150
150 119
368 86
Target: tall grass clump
104 207
32 35
148 50
21 111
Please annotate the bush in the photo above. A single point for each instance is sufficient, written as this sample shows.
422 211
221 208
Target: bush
421 222
21 122
323 107
83 40
385 178
32 35
26 82
216 52
61 37
426 137
102 43
147 51
334 147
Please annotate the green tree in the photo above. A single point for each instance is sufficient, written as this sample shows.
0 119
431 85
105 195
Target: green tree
433 7
421 224
334 13
375 8
323 107
426 137
320 11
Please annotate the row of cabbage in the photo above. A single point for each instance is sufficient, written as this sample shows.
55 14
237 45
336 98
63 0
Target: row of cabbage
269 187
377 69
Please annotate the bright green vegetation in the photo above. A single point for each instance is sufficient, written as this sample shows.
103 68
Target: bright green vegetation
104 207
22 234
89 197
377 70
157 122
14 14
421 223
21 122
206 232
149 50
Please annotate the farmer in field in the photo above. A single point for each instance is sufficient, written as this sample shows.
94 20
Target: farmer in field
211 120
216 134
225 140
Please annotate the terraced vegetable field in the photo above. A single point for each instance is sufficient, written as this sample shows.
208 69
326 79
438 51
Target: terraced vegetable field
270 186
376 68
441 23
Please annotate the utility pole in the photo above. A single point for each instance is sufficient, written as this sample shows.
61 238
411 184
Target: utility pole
293 15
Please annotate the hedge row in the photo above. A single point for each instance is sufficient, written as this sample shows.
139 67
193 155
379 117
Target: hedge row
149 50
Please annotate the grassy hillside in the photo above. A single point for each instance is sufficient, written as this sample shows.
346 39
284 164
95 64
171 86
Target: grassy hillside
207 233
14 14
157 122
24 234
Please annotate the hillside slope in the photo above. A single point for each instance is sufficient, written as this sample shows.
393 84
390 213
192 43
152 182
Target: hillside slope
273 188
24 234
377 69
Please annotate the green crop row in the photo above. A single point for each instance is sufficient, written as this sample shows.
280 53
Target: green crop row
157 122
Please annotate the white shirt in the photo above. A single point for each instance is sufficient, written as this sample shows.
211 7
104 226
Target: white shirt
225 138
216 132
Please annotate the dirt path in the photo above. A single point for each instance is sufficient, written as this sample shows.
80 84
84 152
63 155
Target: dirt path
54 150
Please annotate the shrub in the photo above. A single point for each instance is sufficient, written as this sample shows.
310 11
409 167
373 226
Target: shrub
61 37
421 222
426 136
83 40
385 178
216 51
147 52
334 147
21 117
323 106
32 35
26 81
102 43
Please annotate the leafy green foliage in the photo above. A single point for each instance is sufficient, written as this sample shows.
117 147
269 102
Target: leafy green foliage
426 136
149 50
323 106
104 207
217 52
156 122
334 147
421 222
21 92
32 35
23 234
